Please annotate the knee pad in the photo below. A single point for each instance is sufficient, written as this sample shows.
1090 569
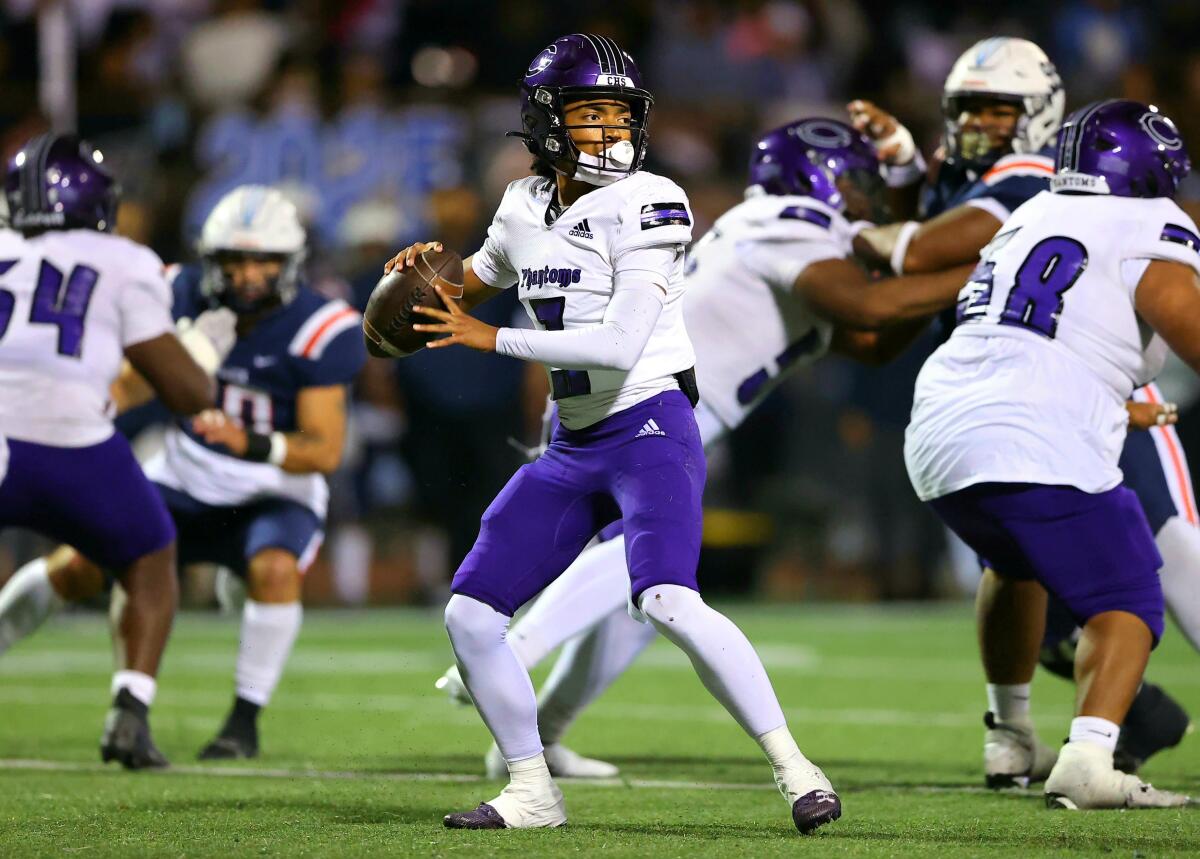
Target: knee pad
667 605
472 624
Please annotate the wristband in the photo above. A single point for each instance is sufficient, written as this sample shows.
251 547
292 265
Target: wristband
258 447
903 175
902 139
900 249
279 449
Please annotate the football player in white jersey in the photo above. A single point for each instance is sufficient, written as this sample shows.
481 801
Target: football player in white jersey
75 301
245 484
1003 105
770 288
1019 418
596 249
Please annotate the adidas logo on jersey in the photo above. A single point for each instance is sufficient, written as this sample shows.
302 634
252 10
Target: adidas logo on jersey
649 428
582 229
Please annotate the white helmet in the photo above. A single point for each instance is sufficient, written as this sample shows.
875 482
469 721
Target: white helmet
252 221
1006 69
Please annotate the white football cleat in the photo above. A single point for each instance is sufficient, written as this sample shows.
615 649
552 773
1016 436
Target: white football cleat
523 806
1084 778
1013 755
561 761
452 684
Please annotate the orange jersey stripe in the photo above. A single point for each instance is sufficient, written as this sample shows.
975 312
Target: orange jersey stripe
1181 476
1019 165
312 341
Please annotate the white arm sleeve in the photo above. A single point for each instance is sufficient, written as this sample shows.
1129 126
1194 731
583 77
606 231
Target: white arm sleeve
614 344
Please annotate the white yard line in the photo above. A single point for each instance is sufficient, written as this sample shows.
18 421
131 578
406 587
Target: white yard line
434 703
38 765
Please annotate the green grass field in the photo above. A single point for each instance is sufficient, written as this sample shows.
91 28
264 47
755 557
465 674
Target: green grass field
362 756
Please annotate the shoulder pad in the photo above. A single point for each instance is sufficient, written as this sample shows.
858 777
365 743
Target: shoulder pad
1027 164
322 326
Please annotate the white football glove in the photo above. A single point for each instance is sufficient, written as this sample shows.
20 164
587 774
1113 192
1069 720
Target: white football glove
209 337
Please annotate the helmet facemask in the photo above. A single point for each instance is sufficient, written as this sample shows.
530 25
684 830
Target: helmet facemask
975 147
548 136
263 292
864 195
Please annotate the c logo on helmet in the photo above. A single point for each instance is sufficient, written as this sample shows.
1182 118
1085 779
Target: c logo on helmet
1161 129
543 60
823 134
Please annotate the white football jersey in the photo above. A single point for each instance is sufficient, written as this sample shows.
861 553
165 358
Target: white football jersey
1031 386
748 327
70 302
563 270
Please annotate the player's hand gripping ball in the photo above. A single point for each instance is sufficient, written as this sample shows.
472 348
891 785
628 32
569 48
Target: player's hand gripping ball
411 280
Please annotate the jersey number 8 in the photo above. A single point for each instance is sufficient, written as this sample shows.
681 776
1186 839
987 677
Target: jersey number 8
1035 301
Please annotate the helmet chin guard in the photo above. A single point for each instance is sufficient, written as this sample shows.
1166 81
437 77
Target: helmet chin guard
575 68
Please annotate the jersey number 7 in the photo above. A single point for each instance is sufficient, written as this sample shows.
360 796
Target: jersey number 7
55 305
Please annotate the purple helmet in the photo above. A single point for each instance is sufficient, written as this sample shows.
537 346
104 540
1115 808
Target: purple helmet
576 67
1119 147
807 157
58 182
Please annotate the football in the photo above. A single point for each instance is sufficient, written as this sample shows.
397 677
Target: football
389 317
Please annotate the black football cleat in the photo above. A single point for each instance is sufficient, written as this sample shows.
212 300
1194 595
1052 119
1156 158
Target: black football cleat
229 747
815 809
1155 722
126 737
483 817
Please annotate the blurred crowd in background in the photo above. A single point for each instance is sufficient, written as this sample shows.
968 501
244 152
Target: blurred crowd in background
384 120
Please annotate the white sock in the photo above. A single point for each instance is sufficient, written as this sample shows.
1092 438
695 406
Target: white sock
1094 730
722 656
498 683
268 632
26 600
591 588
779 746
587 666
1009 701
140 686
529 771
1179 544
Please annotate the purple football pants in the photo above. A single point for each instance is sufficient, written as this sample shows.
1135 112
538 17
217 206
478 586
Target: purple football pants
644 467
1095 552
93 498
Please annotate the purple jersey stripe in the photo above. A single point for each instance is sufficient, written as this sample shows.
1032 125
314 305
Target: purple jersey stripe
803 213
1181 235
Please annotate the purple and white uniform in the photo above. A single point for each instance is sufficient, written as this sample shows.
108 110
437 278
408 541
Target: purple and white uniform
1019 419
71 302
627 447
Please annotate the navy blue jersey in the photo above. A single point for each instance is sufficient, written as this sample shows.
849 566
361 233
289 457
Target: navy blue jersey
1011 181
311 342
